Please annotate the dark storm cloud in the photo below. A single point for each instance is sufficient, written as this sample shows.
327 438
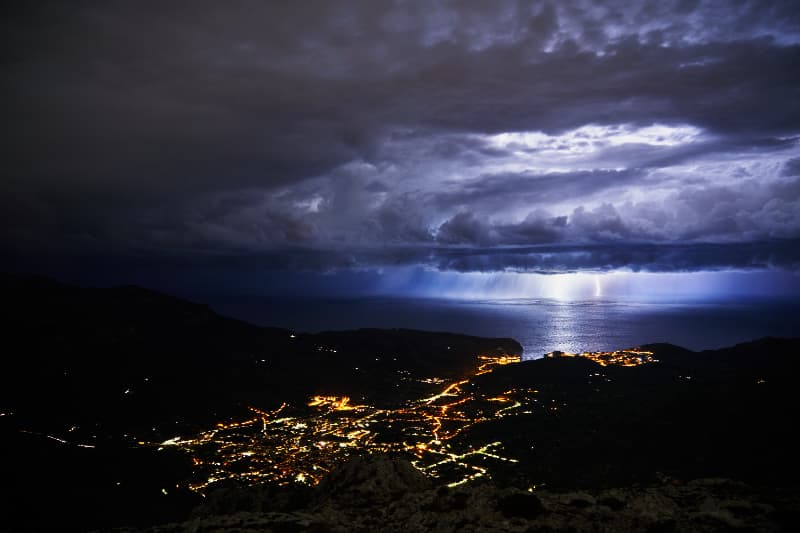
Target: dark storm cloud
748 211
495 191
637 257
792 167
320 132
466 228
544 259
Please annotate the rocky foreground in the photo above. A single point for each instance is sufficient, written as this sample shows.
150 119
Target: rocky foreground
384 494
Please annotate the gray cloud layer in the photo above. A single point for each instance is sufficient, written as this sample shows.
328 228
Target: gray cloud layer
659 135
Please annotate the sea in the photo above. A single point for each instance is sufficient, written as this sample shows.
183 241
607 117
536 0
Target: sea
540 325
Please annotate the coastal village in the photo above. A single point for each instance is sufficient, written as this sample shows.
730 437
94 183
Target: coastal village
630 357
301 444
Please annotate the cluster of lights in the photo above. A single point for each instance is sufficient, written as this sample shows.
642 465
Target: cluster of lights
301 444
630 357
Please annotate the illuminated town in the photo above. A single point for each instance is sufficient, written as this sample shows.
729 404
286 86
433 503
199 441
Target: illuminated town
302 443
630 357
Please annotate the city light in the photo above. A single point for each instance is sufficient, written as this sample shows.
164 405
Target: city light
302 443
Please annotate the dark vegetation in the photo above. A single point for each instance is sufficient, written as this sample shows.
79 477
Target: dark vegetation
74 352
107 367
722 413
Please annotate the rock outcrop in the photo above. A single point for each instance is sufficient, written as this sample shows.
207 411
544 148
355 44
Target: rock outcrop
385 494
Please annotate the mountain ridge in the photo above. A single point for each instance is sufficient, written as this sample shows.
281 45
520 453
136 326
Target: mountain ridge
93 371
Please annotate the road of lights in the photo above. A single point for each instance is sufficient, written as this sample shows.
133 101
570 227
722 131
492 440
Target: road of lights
300 444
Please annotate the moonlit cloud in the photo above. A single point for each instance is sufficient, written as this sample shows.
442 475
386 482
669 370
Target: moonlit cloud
470 137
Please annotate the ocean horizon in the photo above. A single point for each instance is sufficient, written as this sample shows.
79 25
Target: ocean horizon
541 325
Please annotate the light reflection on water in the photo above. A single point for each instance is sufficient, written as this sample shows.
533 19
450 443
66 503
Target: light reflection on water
540 325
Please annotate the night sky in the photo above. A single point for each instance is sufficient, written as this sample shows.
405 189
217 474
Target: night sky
363 144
